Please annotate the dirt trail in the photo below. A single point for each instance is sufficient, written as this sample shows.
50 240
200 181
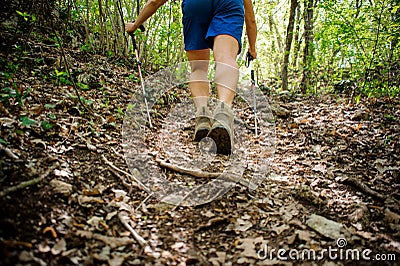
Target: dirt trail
332 159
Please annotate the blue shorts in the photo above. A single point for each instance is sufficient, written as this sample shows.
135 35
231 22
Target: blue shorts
205 19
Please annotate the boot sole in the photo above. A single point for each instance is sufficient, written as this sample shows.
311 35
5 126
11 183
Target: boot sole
222 139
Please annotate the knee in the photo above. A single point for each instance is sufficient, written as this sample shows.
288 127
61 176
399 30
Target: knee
199 67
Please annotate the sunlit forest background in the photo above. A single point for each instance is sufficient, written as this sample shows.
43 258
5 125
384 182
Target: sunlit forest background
308 46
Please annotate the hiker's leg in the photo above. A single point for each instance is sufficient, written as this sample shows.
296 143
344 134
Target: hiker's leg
226 77
200 89
199 84
225 51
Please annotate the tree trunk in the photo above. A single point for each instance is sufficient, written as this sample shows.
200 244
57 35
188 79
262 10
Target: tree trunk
297 38
102 31
273 26
308 53
87 21
276 44
289 38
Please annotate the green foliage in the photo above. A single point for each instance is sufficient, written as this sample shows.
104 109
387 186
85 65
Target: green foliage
133 78
84 101
26 121
49 106
357 99
359 44
62 77
83 86
46 125
27 16
353 40
10 95
120 111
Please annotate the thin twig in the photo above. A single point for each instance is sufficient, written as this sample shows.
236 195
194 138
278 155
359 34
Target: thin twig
355 182
122 179
142 204
67 67
136 182
8 152
28 183
123 217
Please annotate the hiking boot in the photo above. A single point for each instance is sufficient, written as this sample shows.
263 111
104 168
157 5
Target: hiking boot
203 123
222 129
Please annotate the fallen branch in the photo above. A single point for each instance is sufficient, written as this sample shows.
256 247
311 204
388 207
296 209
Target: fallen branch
8 152
28 183
136 182
356 183
123 217
113 242
122 179
202 174
16 243
181 170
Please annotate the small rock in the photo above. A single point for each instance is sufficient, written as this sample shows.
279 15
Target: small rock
61 187
279 111
361 115
325 227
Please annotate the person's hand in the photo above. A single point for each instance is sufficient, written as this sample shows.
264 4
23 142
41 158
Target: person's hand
130 27
253 53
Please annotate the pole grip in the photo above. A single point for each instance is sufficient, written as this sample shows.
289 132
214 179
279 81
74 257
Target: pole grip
249 58
142 29
133 40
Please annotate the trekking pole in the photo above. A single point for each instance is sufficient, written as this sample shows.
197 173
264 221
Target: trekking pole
139 65
249 59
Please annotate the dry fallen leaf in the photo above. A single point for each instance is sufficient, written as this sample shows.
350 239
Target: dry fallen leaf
85 200
303 235
242 225
43 247
358 214
59 247
61 187
279 229
180 247
392 217
62 173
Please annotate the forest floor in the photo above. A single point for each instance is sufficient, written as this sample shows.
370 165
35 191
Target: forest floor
332 189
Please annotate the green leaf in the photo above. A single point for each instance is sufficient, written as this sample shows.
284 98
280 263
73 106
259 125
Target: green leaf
46 125
2 141
27 121
357 99
49 106
83 86
60 73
